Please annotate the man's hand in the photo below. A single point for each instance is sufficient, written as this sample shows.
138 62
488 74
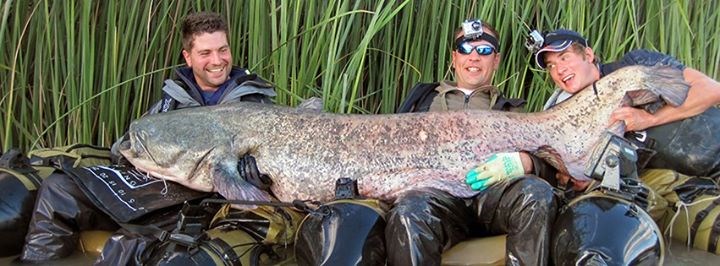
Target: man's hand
498 167
635 119
577 185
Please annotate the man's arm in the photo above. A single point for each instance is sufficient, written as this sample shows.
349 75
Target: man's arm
704 93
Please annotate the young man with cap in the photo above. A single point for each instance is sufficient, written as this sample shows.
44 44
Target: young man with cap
576 68
425 222
573 66
683 138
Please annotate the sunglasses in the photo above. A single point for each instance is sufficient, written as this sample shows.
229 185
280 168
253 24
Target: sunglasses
482 49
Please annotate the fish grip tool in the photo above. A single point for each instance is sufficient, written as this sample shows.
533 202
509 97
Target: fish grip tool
614 164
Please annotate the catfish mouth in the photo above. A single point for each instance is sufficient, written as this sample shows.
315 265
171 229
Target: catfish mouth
133 147
125 150
136 151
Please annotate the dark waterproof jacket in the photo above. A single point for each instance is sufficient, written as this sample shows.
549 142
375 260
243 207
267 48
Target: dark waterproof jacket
422 96
183 92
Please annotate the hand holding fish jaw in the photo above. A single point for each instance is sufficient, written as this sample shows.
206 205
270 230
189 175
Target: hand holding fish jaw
577 185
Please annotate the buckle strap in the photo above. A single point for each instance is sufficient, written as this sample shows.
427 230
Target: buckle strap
699 217
714 236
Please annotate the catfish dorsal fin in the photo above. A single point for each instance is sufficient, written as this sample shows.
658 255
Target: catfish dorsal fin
311 104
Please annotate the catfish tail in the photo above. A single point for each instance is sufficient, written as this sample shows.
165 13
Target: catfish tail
663 85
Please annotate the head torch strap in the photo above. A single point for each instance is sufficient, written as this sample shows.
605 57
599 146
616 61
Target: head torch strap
489 38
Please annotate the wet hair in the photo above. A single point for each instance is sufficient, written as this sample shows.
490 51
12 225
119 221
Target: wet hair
578 48
201 22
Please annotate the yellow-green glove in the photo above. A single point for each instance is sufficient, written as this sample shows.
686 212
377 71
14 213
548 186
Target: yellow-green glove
499 167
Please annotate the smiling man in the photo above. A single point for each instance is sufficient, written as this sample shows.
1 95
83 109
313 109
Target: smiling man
425 222
683 139
209 70
210 60
573 66
474 61
64 207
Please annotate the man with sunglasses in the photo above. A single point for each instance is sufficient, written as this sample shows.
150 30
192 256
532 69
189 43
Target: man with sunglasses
474 61
425 222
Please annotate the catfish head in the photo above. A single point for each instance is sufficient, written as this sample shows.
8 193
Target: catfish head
198 157
148 152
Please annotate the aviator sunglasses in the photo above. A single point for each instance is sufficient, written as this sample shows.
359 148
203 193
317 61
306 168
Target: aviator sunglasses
482 49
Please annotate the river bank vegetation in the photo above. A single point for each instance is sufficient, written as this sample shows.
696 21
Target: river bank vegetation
80 71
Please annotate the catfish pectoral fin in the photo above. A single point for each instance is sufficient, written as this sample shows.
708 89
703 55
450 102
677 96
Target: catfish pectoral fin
228 183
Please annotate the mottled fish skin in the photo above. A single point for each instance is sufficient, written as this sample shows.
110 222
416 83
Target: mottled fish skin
305 152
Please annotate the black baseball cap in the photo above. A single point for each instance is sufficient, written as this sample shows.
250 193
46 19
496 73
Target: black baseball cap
557 41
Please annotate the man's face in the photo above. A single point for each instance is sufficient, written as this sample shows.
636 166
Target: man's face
572 70
210 59
474 70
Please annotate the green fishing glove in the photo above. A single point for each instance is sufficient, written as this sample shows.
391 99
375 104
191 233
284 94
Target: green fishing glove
499 167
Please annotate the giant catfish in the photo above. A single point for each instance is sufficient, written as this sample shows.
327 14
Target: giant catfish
305 152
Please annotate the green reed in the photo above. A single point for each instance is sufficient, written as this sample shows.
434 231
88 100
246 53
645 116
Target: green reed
80 71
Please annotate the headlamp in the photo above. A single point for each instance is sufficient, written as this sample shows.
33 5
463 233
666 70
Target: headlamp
473 30
534 41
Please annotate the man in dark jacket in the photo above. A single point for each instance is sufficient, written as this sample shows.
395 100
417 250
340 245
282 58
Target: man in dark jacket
62 209
425 222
